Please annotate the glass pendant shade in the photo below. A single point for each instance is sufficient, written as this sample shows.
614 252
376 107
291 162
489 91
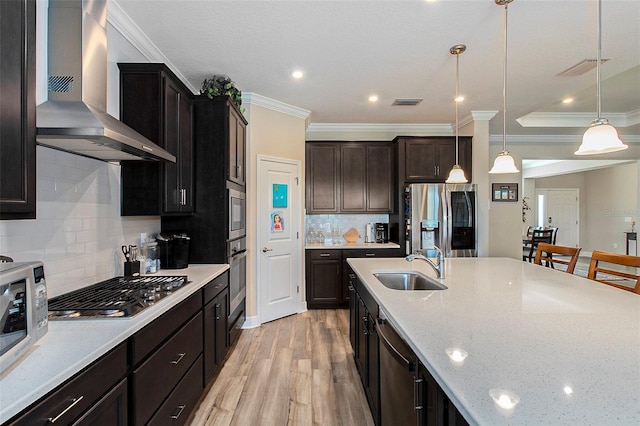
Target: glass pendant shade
600 138
504 164
456 175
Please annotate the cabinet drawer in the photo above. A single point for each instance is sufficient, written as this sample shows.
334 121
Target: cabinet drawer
181 402
371 253
325 254
81 393
154 379
215 286
147 339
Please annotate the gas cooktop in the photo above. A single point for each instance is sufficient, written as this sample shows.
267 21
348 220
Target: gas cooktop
115 297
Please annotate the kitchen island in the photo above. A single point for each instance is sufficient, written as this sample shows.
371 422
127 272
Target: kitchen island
566 346
71 345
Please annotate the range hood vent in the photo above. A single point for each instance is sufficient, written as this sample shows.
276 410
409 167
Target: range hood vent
74 119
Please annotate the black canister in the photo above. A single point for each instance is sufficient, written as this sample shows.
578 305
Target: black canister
174 250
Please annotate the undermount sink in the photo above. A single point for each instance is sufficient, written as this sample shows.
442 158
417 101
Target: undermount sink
410 280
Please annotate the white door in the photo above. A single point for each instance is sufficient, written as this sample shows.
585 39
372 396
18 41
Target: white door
559 207
280 250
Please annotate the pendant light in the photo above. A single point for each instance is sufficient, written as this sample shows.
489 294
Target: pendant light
601 137
456 175
504 161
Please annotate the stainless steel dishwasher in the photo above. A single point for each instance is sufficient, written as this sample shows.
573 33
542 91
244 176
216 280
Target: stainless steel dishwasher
398 381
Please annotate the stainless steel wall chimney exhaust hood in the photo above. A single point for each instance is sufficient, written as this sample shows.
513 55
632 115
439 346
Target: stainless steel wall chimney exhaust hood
74 119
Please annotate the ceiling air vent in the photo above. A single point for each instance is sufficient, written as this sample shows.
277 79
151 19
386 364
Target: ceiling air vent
581 67
406 102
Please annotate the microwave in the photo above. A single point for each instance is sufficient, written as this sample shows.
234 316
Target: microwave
23 309
237 213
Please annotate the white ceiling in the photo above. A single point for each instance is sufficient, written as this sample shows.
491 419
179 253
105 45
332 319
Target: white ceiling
400 49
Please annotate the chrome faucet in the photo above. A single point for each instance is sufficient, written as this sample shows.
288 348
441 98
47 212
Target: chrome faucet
439 267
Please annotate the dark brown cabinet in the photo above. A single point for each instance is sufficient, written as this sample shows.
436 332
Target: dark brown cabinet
163 355
216 336
327 276
324 278
237 144
429 159
349 177
322 178
97 396
154 102
17 109
363 314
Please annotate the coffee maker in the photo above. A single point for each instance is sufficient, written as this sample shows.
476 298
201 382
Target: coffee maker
382 232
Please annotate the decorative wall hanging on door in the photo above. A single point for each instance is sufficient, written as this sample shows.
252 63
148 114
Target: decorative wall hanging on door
279 196
277 222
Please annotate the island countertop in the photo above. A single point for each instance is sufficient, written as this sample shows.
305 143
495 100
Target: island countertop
568 347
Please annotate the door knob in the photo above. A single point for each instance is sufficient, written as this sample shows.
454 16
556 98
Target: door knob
264 249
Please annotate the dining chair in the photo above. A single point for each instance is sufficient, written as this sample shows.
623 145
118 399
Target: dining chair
613 277
555 234
538 236
545 253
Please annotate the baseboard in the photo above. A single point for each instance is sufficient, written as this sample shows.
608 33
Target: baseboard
302 307
251 322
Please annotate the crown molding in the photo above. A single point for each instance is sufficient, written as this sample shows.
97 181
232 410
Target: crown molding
483 115
552 139
134 35
400 129
272 104
576 119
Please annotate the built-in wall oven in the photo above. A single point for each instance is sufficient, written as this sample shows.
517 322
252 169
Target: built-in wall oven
237 214
237 259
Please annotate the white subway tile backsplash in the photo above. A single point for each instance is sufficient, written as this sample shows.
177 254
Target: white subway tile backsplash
78 231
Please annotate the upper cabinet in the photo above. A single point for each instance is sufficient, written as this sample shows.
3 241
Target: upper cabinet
429 159
237 145
154 102
17 109
349 177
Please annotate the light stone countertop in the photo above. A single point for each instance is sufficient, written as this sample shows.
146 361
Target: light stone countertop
567 346
69 346
356 245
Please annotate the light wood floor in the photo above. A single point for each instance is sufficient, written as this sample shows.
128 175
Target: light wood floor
298 370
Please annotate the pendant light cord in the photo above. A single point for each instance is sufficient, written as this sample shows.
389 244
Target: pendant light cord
599 56
456 102
504 82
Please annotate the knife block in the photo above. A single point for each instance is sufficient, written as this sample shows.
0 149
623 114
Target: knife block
132 269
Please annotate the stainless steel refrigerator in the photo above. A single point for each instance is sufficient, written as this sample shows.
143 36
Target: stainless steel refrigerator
443 215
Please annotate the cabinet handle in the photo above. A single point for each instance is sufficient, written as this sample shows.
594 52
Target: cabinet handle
176 361
177 413
74 401
351 288
217 312
370 254
325 254
183 193
365 325
417 397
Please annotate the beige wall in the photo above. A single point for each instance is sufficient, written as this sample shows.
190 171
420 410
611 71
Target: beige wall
607 197
275 134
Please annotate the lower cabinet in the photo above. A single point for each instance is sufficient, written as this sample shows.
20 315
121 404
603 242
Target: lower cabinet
156 377
216 336
399 389
97 396
327 283
363 314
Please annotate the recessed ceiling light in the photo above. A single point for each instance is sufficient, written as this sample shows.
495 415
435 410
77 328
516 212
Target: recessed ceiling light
297 74
567 100
459 99
373 98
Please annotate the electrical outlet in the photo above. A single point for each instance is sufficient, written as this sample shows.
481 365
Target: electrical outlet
615 245
627 219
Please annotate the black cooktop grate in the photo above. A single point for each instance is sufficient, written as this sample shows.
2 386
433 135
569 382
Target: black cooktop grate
115 297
